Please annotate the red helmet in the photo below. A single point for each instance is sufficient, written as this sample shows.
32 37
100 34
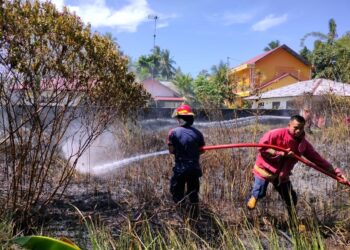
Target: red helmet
184 110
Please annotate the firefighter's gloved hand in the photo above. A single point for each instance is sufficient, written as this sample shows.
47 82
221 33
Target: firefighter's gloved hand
340 175
289 153
279 153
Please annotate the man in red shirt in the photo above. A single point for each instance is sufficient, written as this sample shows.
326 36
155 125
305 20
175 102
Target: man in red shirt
275 167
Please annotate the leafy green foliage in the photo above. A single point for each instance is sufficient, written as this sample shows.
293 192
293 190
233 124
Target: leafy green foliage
185 85
42 242
306 54
272 45
330 56
207 90
213 90
159 64
40 42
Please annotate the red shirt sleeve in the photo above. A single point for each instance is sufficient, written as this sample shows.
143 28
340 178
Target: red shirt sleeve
268 138
312 155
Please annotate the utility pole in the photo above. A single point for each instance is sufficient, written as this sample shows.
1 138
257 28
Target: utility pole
155 18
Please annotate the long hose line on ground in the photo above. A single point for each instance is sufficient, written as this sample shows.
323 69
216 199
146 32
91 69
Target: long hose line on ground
257 145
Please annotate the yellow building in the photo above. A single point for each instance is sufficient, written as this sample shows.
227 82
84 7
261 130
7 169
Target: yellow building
273 69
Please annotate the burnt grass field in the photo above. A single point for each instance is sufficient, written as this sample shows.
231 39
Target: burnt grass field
134 201
131 208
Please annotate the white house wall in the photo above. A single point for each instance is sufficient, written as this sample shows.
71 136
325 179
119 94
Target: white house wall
268 103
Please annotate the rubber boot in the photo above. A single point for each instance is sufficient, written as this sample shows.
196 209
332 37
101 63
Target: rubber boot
301 228
251 203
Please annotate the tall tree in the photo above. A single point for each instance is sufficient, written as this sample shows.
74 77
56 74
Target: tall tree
213 90
332 34
272 45
306 54
145 67
330 56
158 64
332 61
219 75
166 65
185 85
60 85
330 37
220 72
207 92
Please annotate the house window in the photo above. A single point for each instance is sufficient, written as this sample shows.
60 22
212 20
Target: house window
290 105
260 105
276 105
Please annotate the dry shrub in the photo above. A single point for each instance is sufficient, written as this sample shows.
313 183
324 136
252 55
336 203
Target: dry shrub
339 110
60 84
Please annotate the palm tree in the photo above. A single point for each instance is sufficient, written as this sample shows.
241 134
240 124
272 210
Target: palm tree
330 56
166 68
272 45
184 84
219 73
332 34
330 37
159 64
144 67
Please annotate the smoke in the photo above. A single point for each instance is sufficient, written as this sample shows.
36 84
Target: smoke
101 156
102 150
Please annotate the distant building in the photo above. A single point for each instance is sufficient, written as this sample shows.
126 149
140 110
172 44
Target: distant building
164 93
51 92
273 69
284 97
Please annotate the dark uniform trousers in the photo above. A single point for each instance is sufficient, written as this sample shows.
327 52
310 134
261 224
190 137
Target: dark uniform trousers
185 173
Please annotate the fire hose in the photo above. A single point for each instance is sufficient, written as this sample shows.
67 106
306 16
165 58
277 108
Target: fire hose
299 158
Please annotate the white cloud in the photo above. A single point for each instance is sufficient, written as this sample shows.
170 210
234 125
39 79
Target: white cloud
59 3
126 18
163 20
269 21
233 18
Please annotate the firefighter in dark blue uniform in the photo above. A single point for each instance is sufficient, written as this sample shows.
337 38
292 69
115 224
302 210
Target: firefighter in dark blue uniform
185 142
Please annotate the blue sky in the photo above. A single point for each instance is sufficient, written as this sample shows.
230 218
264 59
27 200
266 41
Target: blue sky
201 33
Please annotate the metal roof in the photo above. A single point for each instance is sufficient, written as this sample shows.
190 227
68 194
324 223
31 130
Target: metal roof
318 86
170 86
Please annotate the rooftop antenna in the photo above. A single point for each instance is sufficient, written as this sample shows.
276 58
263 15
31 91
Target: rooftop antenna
155 18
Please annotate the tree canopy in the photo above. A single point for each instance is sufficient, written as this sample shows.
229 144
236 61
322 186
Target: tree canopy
207 89
330 56
39 42
158 64
60 84
272 45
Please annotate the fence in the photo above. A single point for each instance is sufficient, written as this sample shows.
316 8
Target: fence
210 114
